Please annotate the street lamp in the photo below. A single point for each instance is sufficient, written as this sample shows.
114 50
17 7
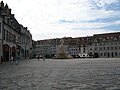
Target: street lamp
17 48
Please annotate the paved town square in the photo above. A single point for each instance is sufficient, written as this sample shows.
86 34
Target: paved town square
61 74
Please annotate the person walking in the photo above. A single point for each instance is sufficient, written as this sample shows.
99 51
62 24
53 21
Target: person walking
16 60
11 59
38 57
43 58
1 59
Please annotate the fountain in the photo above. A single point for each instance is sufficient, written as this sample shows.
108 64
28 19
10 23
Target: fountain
61 54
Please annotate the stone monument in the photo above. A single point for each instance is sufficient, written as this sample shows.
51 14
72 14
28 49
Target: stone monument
61 54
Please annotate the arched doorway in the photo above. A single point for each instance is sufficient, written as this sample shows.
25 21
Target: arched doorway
95 55
108 54
22 53
13 51
6 52
18 48
112 54
27 54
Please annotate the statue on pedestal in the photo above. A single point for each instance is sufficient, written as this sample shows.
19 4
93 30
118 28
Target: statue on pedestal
61 54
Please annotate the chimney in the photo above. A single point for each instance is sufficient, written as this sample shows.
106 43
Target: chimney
2 4
9 11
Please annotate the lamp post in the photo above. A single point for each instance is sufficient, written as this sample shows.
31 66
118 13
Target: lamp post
25 51
17 48
0 50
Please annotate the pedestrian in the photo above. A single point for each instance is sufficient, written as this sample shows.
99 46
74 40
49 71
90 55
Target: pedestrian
16 60
38 57
1 59
11 59
43 58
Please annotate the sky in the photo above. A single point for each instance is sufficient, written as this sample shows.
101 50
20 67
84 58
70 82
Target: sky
48 19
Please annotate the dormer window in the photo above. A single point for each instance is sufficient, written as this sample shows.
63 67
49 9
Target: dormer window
108 37
115 38
95 40
104 39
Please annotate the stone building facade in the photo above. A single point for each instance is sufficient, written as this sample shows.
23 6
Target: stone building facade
107 45
98 46
47 47
1 22
12 36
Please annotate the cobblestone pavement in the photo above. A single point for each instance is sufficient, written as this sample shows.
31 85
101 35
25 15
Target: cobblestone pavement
52 74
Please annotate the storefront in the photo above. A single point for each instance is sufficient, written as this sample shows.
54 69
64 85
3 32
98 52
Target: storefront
6 53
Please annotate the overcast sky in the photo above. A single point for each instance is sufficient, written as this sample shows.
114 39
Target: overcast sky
48 19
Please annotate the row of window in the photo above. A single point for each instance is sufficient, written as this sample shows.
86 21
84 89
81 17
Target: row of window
23 40
73 53
112 54
107 43
10 37
108 38
73 49
107 48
